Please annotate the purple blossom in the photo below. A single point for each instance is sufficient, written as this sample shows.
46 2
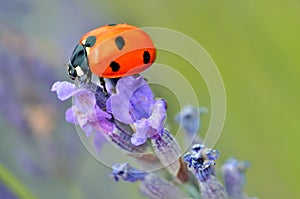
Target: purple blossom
84 112
234 177
152 185
189 120
127 173
201 161
134 104
88 111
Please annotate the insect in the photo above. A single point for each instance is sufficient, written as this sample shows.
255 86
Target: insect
112 51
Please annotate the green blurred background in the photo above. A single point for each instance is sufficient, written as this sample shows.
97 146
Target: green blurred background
254 43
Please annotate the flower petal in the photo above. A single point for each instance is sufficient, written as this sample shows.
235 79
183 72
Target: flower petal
84 100
99 141
64 90
132 101
158 115
88 129
70 116
142 129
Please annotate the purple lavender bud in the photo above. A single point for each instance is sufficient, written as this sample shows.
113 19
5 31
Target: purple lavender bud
212 189
189 118
101 97
234 177
200 160
155 187
190 122
127 173
167 150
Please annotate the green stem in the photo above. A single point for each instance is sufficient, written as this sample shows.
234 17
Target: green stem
14 184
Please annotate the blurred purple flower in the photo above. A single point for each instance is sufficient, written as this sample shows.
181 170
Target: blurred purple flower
234 177
212 189
21 69
155 187
134 104
152 185
127 173
189 120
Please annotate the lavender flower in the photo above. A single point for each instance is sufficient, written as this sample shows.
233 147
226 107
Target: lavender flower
84 112
189 120
89 103
234 177
201 163
127 173
152 185
134 104
127 116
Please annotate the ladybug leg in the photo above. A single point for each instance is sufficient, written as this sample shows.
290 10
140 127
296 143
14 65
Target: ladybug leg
102 82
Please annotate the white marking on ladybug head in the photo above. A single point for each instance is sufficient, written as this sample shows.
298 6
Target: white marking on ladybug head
87 49
79 71
83 42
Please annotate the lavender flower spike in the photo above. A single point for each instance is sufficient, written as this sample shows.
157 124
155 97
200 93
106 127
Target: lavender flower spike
234 177
127 173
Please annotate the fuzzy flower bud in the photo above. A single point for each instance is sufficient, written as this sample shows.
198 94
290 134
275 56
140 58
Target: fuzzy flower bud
201 162
234 177
127 173
155 187
168 152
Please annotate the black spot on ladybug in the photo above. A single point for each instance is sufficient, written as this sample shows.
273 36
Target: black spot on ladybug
114 66
120 43
90 41
112 24
146 57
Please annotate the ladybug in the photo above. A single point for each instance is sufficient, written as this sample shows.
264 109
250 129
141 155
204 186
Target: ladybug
112 51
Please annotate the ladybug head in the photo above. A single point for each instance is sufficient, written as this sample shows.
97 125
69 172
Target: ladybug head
78 64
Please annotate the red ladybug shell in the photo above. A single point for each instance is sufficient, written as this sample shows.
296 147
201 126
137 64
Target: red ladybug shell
119 50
